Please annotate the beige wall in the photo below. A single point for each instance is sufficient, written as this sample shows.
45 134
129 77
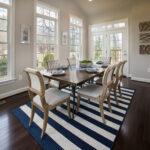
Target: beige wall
136 11
139 63
24 52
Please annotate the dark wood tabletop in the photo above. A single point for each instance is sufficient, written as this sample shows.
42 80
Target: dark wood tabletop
73 77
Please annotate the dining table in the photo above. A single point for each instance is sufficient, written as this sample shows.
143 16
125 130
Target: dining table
74 77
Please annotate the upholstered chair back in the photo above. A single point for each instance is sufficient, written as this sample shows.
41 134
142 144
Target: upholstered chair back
106 60
52 64
71 61
35 80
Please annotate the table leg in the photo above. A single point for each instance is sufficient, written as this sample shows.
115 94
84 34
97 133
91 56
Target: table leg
73 93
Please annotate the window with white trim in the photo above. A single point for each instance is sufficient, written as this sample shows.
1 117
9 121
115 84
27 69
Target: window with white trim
46 34
75 37
6 40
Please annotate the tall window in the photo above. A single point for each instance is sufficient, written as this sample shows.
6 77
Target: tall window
6 44
98 46
75 37
116 46
46 34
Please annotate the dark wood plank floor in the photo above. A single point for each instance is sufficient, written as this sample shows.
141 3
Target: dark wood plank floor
134 133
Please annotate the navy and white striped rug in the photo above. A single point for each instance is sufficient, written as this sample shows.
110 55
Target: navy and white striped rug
86 131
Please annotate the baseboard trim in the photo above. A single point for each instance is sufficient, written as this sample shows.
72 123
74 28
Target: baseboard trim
140 79
14 92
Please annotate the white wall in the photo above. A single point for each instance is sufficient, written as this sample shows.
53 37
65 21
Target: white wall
24 52
136 11
139 63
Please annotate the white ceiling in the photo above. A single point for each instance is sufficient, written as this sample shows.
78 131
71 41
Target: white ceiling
98 6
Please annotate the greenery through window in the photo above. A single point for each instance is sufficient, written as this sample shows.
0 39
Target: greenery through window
98 47
75 37
116 47
4 43
46 34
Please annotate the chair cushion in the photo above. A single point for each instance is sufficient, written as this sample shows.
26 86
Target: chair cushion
52 96
91 90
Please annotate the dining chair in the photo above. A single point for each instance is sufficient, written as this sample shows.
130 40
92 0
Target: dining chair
118 79
104 60
71 61
118 75
53 65
45 100
99 93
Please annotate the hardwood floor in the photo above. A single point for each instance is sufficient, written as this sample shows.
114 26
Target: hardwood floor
134 134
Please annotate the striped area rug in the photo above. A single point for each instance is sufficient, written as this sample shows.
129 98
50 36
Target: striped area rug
86 131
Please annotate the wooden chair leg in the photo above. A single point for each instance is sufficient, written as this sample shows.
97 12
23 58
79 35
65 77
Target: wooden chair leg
109 105
78 103
32 115
102 112
119 88
89 100
115 95
68 108
44 123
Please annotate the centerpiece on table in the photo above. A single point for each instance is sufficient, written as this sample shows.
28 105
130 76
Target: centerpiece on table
86 63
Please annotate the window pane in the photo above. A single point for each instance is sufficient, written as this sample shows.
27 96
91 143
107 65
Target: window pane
5 1
3 66
46 12
53 14
3 49
40 30
3 13
39 10
3 24
40 21
3 37
116 47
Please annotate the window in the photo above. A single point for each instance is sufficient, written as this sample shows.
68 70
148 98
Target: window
108 40
6 44
46 34
98 46
75 37
97 28
116 47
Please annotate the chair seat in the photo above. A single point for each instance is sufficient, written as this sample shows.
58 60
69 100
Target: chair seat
52 96
93 91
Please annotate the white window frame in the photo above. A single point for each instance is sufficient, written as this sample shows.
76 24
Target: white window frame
11 40
36 2
81 27
119 29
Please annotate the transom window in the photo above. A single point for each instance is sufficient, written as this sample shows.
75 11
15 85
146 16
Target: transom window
98 28
75 37
46 34
6 45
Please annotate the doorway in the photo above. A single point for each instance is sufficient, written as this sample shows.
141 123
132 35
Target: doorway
109 40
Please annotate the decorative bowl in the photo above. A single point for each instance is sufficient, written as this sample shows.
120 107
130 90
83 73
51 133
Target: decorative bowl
86 63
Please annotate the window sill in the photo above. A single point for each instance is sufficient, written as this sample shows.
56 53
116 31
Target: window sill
7 81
